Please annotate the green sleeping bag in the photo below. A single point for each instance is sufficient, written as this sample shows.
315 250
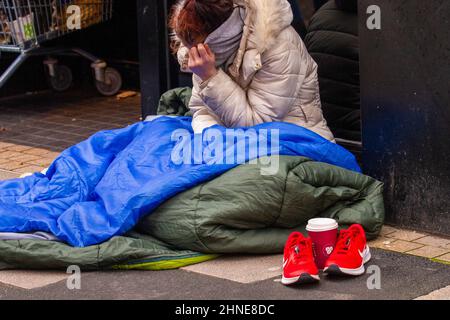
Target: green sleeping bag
240 211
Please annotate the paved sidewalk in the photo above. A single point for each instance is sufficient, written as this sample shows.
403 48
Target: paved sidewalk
34 129
414 243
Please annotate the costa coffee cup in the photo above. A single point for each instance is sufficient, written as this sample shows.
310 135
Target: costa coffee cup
323 233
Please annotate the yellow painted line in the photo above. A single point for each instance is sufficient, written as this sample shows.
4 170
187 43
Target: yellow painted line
167 264
440 261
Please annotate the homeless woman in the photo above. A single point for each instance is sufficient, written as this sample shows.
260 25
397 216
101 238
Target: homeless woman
249 65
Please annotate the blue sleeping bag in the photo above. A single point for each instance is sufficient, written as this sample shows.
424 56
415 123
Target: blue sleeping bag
101 187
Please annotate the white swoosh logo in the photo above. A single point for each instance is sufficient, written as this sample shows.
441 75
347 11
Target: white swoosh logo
285 263
361 253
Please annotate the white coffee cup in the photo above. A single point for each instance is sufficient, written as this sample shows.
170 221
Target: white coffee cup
323 233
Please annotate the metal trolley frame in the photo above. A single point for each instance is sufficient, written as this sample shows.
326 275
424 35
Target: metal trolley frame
26 24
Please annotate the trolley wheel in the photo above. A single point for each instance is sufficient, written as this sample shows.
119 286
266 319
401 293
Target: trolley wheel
63 78
112 84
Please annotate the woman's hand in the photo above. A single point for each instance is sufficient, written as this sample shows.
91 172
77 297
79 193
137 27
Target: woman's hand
202 61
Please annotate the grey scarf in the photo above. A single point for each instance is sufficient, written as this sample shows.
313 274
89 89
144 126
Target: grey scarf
225 40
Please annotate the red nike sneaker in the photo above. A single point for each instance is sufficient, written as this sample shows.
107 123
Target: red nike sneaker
298 262
350 254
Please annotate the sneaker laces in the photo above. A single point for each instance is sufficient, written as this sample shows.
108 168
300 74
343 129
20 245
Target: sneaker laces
344 240
301 247
293 240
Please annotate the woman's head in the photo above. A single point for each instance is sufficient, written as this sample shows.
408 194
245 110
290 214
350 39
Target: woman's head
196 19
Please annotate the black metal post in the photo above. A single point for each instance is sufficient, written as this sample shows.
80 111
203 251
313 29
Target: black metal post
153 52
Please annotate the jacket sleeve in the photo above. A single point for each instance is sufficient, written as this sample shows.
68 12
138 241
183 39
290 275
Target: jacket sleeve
202 117
269 97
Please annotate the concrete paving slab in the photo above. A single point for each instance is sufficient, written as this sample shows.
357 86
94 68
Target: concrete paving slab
406 235
5 175
429 252
434 241
31 279
445 258
381 242
243 269
402 246
386 230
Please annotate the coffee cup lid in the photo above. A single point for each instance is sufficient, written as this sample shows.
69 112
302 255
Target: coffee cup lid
321 224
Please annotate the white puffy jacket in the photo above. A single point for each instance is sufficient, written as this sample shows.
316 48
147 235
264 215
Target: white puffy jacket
272 78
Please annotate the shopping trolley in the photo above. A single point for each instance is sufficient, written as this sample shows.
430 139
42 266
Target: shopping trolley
26 24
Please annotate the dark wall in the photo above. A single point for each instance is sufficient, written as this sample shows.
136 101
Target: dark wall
406 111
115 41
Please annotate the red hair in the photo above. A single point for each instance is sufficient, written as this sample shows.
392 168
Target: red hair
198 18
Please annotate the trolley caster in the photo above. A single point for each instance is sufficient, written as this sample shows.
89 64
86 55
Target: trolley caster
60 77
111 84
